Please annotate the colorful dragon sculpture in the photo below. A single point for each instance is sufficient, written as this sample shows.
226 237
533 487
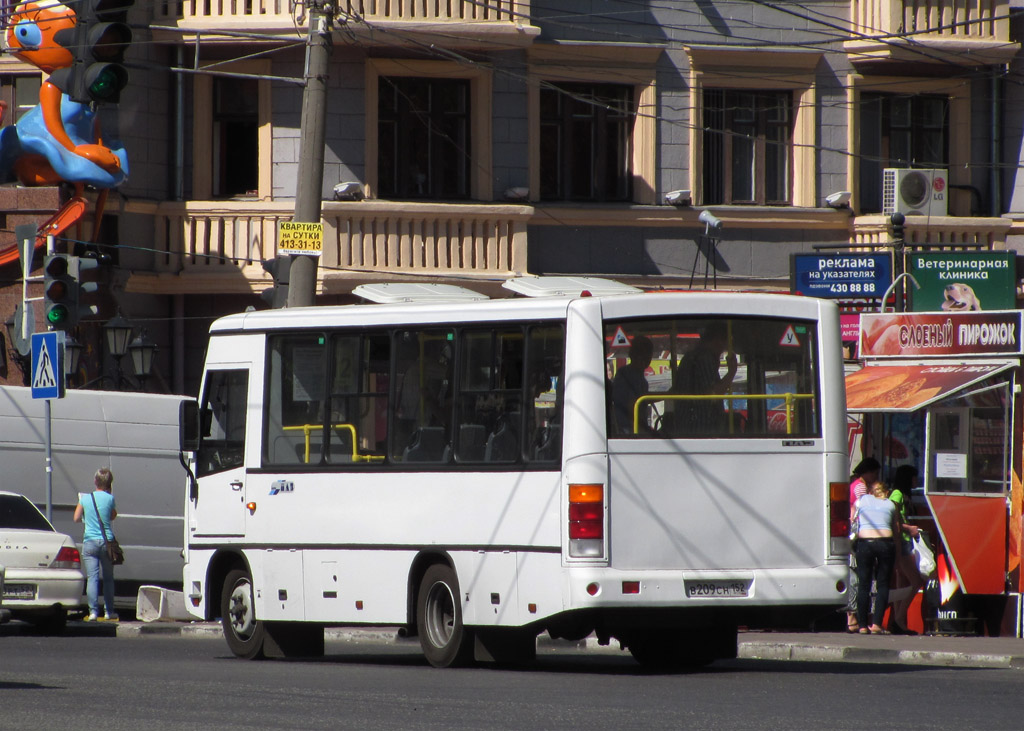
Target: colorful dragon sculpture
58 140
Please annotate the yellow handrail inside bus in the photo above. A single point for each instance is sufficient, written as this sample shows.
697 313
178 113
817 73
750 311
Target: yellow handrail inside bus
789 398
308 429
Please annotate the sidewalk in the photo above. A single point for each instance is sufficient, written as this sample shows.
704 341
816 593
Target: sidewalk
934 650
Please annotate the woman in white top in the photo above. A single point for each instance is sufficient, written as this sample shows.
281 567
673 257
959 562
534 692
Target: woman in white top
876 553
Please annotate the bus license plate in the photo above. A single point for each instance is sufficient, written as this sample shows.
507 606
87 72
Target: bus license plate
19 591
709 588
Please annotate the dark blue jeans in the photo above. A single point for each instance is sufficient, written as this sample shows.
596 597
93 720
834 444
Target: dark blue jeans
875 559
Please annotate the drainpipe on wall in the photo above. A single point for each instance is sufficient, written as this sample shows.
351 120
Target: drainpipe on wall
178 191
995 177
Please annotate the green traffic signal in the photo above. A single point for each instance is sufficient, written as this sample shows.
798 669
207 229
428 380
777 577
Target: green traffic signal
59 290
57 315
98 43
103 82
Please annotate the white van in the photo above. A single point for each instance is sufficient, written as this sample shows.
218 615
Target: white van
136 435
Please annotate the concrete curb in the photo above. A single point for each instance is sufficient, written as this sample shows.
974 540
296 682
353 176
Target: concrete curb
754 650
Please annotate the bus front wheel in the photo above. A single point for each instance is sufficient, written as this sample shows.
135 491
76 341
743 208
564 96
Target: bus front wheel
444 639
243 632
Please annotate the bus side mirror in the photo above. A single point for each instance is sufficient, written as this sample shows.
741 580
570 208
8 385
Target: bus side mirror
188 425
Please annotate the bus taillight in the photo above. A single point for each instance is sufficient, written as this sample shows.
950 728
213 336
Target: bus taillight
839 510
586 520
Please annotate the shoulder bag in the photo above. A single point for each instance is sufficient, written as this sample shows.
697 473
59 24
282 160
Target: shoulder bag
113 547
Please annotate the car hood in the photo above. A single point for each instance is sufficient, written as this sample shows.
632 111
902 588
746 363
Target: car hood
30 549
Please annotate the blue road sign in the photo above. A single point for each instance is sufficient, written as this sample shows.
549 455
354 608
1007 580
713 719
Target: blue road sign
48 365
841 276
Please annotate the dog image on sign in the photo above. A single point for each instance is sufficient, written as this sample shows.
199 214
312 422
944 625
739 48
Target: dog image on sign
960 298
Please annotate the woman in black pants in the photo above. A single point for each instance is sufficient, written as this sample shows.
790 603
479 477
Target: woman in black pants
879 526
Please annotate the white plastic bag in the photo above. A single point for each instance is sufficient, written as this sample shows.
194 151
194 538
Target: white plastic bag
925 558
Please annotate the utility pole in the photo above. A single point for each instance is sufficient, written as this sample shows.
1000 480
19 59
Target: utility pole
309 188
898 249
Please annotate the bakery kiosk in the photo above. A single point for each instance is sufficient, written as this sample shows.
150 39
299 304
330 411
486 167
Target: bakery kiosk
941 391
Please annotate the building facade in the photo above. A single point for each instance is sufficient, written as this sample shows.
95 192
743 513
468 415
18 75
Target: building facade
485 140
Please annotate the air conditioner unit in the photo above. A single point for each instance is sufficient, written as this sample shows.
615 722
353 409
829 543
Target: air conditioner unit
914 192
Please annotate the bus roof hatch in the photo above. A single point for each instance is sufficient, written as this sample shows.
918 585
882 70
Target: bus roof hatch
402 292
567 286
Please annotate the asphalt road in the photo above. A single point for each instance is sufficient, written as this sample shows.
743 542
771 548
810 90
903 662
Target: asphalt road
164 682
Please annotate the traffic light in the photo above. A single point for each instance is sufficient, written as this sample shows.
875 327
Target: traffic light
60 292
62 289
98 43
278 268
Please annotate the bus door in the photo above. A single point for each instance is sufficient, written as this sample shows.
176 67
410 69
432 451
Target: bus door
219 507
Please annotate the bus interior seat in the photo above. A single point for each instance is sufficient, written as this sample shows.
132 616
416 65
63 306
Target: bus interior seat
550 443
472 442
503 443
428 445
288 449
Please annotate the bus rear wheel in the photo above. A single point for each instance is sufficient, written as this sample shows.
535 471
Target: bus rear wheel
243 632
444 639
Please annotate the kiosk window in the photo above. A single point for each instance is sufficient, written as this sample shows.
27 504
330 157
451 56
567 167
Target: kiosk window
969 442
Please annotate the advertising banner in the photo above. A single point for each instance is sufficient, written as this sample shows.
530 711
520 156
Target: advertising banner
840 276
963 281
938 334
295 237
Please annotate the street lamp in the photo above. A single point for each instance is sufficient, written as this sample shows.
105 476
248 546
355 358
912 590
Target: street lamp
118 331
142 350
72 355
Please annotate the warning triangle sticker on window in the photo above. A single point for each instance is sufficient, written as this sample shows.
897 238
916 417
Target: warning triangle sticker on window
620 340
789 337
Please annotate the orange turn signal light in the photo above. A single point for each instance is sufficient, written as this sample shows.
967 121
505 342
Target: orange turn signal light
586 493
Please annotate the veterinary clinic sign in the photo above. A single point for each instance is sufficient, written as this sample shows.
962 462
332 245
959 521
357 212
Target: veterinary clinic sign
893 335
963 281
296 237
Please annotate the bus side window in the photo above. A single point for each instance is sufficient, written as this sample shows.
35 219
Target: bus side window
357 409
223 442
294 403
545 355
422 398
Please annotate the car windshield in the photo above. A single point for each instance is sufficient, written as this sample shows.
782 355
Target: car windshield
17 511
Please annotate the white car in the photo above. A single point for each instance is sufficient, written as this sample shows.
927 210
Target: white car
5 614
43 579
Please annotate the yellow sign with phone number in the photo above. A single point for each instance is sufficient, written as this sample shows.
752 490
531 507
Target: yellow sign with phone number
296 237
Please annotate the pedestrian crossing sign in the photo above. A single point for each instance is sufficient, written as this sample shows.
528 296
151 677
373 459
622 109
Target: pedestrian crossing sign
48 365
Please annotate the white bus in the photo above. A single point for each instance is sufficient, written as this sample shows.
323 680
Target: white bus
457 470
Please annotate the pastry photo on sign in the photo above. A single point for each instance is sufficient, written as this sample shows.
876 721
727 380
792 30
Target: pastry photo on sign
960 298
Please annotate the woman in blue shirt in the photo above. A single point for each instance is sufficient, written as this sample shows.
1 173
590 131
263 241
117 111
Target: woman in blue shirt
98 510
879 528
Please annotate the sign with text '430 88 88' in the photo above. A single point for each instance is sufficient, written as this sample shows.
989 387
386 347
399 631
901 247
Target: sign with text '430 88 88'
48 365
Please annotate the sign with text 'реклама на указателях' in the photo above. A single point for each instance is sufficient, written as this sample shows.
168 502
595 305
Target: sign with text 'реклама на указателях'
840 276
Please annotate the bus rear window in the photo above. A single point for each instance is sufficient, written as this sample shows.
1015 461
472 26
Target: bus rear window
739 377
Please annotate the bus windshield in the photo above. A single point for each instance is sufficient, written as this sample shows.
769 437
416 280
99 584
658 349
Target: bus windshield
712 377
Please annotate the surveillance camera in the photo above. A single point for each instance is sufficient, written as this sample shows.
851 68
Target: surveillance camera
518 193
678 198
839 200
710 219
350 191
